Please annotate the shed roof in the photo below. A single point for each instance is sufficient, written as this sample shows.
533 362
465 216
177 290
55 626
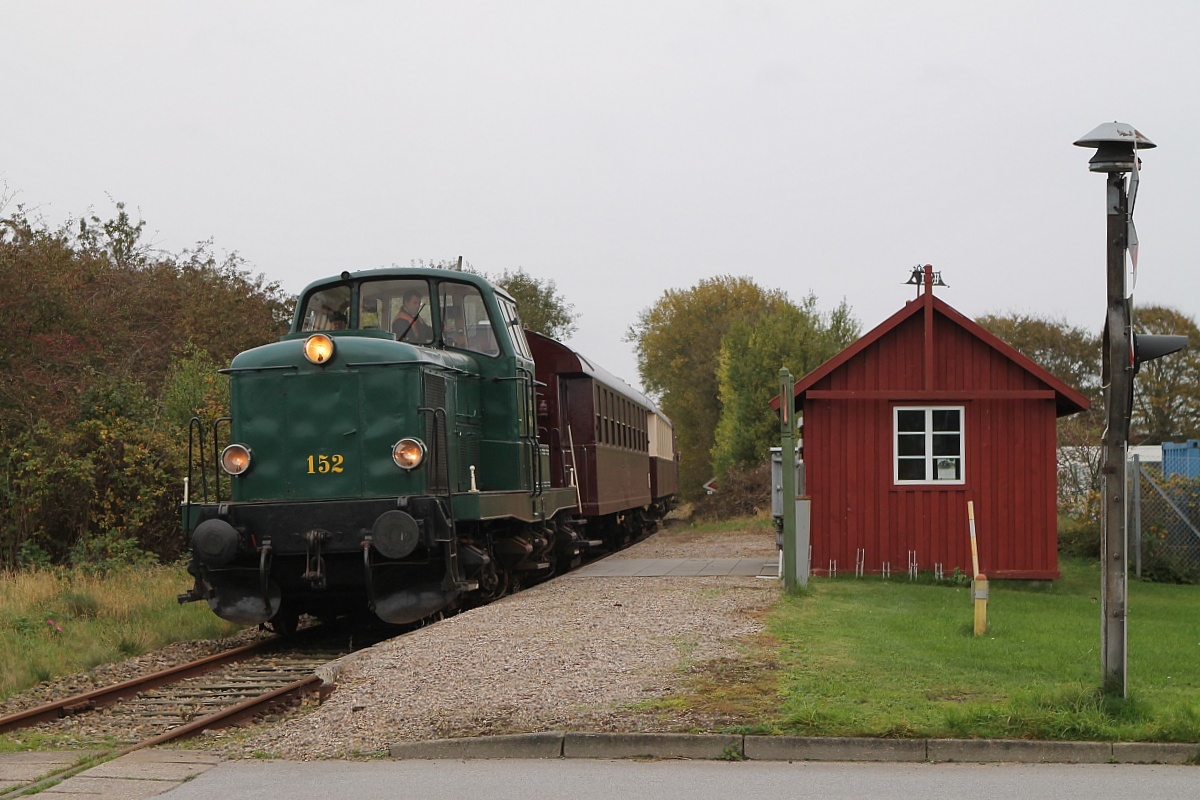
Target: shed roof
1068 400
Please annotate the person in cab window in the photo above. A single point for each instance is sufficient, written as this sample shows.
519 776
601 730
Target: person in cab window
408 325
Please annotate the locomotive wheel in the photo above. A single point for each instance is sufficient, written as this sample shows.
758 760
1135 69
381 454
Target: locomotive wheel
493 584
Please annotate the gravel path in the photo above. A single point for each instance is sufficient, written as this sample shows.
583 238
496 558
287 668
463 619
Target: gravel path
573 654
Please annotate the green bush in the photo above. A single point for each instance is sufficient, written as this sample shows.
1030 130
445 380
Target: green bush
1079 537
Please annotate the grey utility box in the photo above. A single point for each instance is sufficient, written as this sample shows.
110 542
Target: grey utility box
777 489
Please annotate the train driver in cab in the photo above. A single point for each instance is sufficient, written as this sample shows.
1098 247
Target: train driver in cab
408 325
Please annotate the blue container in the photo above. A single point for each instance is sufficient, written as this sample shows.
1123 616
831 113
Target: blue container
1181 458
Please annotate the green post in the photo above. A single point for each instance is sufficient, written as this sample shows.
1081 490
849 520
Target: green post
787 430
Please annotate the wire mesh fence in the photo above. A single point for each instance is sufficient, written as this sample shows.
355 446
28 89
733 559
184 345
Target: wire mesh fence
1164 524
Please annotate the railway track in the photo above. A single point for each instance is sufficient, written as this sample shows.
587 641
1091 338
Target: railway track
211 692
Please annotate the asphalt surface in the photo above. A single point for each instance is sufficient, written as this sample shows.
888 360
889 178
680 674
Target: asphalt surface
622 765
583 779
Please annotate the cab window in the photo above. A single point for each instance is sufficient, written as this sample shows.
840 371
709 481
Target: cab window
399 306
512 323
326 310
466 324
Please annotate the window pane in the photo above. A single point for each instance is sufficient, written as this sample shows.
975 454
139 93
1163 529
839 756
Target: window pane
946 444
910 421
947 469
946 420
909 445
401 306
327 310
910 469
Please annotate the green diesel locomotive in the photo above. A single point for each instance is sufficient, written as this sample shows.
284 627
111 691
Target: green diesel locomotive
407 448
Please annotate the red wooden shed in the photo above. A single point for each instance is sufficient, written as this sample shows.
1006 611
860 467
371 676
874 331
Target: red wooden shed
921 415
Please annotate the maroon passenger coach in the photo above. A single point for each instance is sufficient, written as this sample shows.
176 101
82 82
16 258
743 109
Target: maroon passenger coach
604 437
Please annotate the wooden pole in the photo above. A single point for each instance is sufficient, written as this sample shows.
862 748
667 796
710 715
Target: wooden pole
979 582
980 595
1119 381
974 547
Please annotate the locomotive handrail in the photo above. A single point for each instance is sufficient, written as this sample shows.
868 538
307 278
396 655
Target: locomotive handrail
264 368
436 364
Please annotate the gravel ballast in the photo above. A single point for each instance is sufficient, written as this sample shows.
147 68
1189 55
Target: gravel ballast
577 653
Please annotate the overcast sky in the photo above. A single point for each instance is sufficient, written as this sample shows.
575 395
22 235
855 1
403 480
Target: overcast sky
624 148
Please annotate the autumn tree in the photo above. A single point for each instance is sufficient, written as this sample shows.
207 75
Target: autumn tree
96 322
798 337
1166 403
678 341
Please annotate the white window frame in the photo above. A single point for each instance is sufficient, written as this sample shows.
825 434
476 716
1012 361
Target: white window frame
927 456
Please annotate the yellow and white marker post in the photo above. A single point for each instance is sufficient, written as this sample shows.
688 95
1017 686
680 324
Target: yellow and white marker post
979 587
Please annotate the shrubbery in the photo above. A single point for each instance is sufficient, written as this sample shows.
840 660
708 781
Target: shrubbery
112 348
744 492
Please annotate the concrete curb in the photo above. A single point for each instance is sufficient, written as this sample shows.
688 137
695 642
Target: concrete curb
735 747
521 745
651 745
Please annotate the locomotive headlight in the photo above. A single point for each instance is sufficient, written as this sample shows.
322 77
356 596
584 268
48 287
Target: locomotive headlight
408 453
318 348
235 459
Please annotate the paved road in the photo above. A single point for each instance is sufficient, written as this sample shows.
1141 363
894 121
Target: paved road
581 779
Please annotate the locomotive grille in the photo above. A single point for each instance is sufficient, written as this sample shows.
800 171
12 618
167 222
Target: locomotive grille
435 430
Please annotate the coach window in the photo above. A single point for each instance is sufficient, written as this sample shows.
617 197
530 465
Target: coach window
596 406
607 416
610 414
928 445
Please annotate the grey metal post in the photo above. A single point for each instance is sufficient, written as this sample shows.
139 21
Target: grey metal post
1135 503
787 443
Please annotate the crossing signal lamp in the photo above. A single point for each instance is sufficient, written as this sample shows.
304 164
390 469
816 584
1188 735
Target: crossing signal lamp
1147 347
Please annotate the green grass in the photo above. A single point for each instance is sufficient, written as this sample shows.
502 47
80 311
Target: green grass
867 657
56 622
